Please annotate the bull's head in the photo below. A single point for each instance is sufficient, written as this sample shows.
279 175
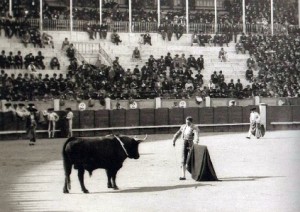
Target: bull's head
133 147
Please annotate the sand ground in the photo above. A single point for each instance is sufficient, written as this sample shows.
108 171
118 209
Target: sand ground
257 175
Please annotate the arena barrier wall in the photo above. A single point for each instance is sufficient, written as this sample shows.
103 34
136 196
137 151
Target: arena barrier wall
206 116
235 115
132 120
102 120
296 116
161 118
147 118
149 121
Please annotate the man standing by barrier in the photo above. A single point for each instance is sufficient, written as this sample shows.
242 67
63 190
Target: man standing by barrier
52 119
254 124
189 131
31 125
69 119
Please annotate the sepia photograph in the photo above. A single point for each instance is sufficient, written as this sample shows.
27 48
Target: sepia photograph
149 105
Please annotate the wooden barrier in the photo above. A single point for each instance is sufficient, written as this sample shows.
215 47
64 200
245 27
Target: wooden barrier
147 118
206 116
76 122
117 119
147 121
296 116
176 116
87 121
235 115
221 117
194 112
132 120
161 117
279 114
102 120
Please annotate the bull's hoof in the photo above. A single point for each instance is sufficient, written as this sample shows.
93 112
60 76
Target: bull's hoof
85 191
109 185
65 191
116 188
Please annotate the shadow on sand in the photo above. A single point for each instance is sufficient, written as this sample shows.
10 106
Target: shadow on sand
158 188
249 178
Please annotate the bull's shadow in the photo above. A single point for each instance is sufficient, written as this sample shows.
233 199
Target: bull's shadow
248 178
158 188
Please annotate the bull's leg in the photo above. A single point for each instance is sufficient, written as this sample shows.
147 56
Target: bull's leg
114 176
108 173
68 170
81 180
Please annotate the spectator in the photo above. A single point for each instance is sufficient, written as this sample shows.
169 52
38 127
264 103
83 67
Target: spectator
162 30
3 60
39 61
26 39
178 30
71 51
191 62
35 38
147 38
170 30
11 63
47 40
54 63
136 55
28 59
195 39
223 55
19 60
200 62
65 43
115 38
103 30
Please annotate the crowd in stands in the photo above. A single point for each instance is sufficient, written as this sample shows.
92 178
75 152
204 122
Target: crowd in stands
277 61
258 11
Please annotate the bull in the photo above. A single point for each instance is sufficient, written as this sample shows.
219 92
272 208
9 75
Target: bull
88 154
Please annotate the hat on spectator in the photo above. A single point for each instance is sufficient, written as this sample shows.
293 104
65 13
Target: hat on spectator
21 105
68 108
253 109
7 104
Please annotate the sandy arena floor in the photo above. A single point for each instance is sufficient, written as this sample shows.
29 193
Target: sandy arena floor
257 175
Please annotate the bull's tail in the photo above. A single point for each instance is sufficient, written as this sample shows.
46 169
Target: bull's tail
67 163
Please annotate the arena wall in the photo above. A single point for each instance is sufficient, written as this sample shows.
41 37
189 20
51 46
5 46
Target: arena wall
122 121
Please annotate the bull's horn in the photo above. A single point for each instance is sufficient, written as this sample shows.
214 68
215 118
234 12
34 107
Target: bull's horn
145 138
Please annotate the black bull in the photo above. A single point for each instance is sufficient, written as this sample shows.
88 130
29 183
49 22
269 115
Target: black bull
89 154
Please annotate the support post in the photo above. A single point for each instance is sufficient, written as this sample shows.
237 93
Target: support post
272 18
107 103
130 16
100 11
157 102
41 16
158 13
10 8
263 114
71 19
244 16
187 15
216 17
207 101
298 13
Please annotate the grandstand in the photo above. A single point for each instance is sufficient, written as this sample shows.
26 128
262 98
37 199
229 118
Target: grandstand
91 19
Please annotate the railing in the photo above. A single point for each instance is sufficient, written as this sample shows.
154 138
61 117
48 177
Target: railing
105 55
140 27
86 48
91 48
